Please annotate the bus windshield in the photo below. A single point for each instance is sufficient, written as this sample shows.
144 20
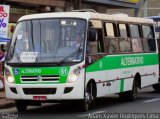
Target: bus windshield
48 41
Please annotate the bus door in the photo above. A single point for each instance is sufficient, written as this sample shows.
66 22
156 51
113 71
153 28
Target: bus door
95 55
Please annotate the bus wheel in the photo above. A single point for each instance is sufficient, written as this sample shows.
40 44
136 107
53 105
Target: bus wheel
86 102
156 87
21 106
89 97
130 95
134 92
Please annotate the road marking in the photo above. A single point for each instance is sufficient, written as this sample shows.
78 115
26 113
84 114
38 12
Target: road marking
152 100
84 115
98 112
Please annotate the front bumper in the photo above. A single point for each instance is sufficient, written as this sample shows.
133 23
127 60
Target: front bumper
67 91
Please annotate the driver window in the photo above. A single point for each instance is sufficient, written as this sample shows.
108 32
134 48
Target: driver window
95 39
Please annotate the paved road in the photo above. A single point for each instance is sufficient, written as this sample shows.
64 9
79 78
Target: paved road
147 102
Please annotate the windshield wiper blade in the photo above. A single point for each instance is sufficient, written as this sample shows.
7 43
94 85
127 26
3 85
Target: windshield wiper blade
77 50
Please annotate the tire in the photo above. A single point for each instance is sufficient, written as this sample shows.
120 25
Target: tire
130 95
21 106
134 92
156 87
89 98
123 96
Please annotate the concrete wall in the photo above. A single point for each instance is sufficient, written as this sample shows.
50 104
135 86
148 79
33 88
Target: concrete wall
153 8
129 12
59 3
152 5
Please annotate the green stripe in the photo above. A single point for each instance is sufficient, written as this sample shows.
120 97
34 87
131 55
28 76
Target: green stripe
123 61
122 85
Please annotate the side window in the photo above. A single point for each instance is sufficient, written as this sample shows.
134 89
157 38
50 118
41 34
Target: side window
124 41
134 31
110 38
109 30
96 45
148 38
135 38
122 30
148 32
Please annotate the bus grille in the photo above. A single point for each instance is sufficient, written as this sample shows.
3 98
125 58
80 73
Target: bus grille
40 91
49 78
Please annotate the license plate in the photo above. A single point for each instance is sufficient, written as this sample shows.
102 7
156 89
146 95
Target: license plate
39 98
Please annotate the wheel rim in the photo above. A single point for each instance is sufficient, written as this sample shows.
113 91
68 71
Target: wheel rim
87 100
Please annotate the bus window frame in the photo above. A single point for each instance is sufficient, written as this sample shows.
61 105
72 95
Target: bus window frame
128 36
115 36
87 41
118 37
139 38
152 26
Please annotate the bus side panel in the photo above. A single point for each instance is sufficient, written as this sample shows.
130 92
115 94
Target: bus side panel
150 76
122 80
114 74
111 81
98 77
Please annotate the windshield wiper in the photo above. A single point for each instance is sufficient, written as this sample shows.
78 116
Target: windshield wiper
77 50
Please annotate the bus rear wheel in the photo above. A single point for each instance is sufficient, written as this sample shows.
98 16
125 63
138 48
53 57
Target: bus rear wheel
130 95
156 87
21 105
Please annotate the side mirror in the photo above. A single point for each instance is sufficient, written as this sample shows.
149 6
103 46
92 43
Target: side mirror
93 35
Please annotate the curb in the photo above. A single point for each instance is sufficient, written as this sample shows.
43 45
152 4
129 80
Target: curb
7 105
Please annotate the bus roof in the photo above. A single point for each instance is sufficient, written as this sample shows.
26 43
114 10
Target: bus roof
87 15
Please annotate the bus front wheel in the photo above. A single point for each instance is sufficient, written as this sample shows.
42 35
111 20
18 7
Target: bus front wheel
21 105
89 97
85 103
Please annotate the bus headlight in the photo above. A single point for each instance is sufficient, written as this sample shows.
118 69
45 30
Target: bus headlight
73 77
10 79
9 76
